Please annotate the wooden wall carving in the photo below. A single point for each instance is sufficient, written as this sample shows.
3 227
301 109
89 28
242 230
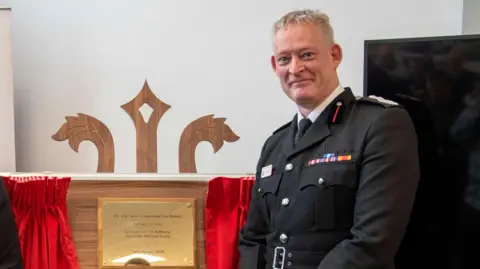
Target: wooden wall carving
146 131
206 128
82 210
85 127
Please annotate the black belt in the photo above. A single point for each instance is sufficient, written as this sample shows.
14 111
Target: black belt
282 258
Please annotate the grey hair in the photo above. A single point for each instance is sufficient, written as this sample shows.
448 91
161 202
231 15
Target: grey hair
305 16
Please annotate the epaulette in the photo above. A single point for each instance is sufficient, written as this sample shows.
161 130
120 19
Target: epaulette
377 100
282 127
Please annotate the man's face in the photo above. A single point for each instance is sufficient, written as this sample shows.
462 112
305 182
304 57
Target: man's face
305 63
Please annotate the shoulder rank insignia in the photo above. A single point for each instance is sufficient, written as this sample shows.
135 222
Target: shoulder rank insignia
377 99
383 100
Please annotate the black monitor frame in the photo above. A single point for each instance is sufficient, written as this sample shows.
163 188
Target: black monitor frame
403 40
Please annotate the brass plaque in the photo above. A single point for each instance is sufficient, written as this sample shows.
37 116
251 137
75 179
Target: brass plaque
152 232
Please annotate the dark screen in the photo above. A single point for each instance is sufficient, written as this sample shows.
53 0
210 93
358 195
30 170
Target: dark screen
437 81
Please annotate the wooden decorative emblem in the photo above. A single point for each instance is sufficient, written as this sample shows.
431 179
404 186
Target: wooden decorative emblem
207 128
85 127
146 131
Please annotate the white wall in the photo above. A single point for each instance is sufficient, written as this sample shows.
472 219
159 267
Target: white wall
4 3
471 16
7 131
92 56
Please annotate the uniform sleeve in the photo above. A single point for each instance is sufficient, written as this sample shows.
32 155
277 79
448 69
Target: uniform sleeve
389 177
252 238
10 256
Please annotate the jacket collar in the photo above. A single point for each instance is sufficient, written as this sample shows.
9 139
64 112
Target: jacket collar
333 114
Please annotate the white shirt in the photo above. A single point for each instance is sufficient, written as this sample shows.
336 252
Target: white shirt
319 109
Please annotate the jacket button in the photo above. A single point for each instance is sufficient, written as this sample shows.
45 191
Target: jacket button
285 201
289 167
283 238
320 181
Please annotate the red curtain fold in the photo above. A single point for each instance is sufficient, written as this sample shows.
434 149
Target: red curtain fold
226 209
40 207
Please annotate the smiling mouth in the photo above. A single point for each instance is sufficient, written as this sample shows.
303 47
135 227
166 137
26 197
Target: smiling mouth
300 81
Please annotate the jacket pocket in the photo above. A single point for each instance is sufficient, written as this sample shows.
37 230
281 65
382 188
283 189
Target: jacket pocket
268 190
332 187
269 185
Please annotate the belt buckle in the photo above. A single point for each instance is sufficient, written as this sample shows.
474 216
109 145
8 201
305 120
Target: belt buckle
282 262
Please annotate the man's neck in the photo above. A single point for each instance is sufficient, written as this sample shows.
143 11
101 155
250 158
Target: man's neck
327 99
305 111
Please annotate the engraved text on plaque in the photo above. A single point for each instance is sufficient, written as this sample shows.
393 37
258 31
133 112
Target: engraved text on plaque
153 232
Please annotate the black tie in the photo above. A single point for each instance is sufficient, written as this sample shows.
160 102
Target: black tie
303 126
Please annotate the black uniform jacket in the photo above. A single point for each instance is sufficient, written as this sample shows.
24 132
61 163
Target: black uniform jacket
10 256
339 199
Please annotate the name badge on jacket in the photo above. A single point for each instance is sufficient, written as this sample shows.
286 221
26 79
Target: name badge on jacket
266 171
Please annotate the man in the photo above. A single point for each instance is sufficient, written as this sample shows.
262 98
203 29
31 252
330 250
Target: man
10 255
336 193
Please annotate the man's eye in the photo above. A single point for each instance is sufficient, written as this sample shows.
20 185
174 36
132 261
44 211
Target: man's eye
282 59
307 55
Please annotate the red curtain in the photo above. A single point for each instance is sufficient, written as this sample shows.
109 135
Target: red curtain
40 208
226 209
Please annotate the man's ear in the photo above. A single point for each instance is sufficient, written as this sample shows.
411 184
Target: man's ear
337 54
273 62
